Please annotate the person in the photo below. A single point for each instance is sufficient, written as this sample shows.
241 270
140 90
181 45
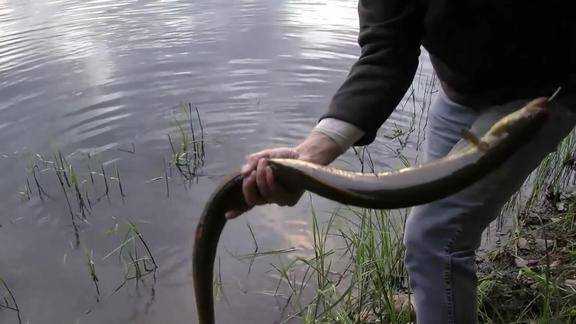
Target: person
491 57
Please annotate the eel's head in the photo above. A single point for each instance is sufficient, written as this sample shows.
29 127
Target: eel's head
526 119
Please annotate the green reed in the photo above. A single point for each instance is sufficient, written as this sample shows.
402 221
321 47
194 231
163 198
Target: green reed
135 255
188 153
89 256
8 301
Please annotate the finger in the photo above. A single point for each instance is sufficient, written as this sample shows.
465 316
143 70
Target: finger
277 190
274 188
252 162
259 155
270 179
250 190
261 180
284 153
248 167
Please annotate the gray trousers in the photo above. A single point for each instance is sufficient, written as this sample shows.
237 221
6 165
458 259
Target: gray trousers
441 238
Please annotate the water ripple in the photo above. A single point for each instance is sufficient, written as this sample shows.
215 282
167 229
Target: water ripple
93 76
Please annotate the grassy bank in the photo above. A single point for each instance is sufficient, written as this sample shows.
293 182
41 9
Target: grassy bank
356 273
532 276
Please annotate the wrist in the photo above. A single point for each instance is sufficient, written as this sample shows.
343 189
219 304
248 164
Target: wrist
318 148
343 133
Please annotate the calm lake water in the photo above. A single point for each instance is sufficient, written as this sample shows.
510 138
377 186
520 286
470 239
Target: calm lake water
101 81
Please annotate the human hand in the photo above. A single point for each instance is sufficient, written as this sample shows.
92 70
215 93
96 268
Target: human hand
260 186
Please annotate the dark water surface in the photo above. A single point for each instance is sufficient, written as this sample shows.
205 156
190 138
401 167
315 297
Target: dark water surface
104 78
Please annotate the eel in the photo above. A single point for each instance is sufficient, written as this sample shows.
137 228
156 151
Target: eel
387 190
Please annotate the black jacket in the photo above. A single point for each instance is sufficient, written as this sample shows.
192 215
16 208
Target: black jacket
484 52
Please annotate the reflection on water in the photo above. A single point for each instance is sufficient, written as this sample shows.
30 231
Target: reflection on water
101 81
320 26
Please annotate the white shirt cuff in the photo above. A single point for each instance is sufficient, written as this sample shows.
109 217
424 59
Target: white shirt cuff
341 132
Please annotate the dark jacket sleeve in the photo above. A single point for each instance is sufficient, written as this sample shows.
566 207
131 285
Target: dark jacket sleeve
390 37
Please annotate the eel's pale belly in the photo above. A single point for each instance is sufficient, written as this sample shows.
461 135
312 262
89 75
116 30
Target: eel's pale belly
402 188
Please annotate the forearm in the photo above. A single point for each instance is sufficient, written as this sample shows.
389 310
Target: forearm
390 37
318 148
329 139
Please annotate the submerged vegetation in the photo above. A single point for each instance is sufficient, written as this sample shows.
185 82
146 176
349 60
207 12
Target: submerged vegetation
8 301
188 153
92 271
80 191
79 182
135 255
